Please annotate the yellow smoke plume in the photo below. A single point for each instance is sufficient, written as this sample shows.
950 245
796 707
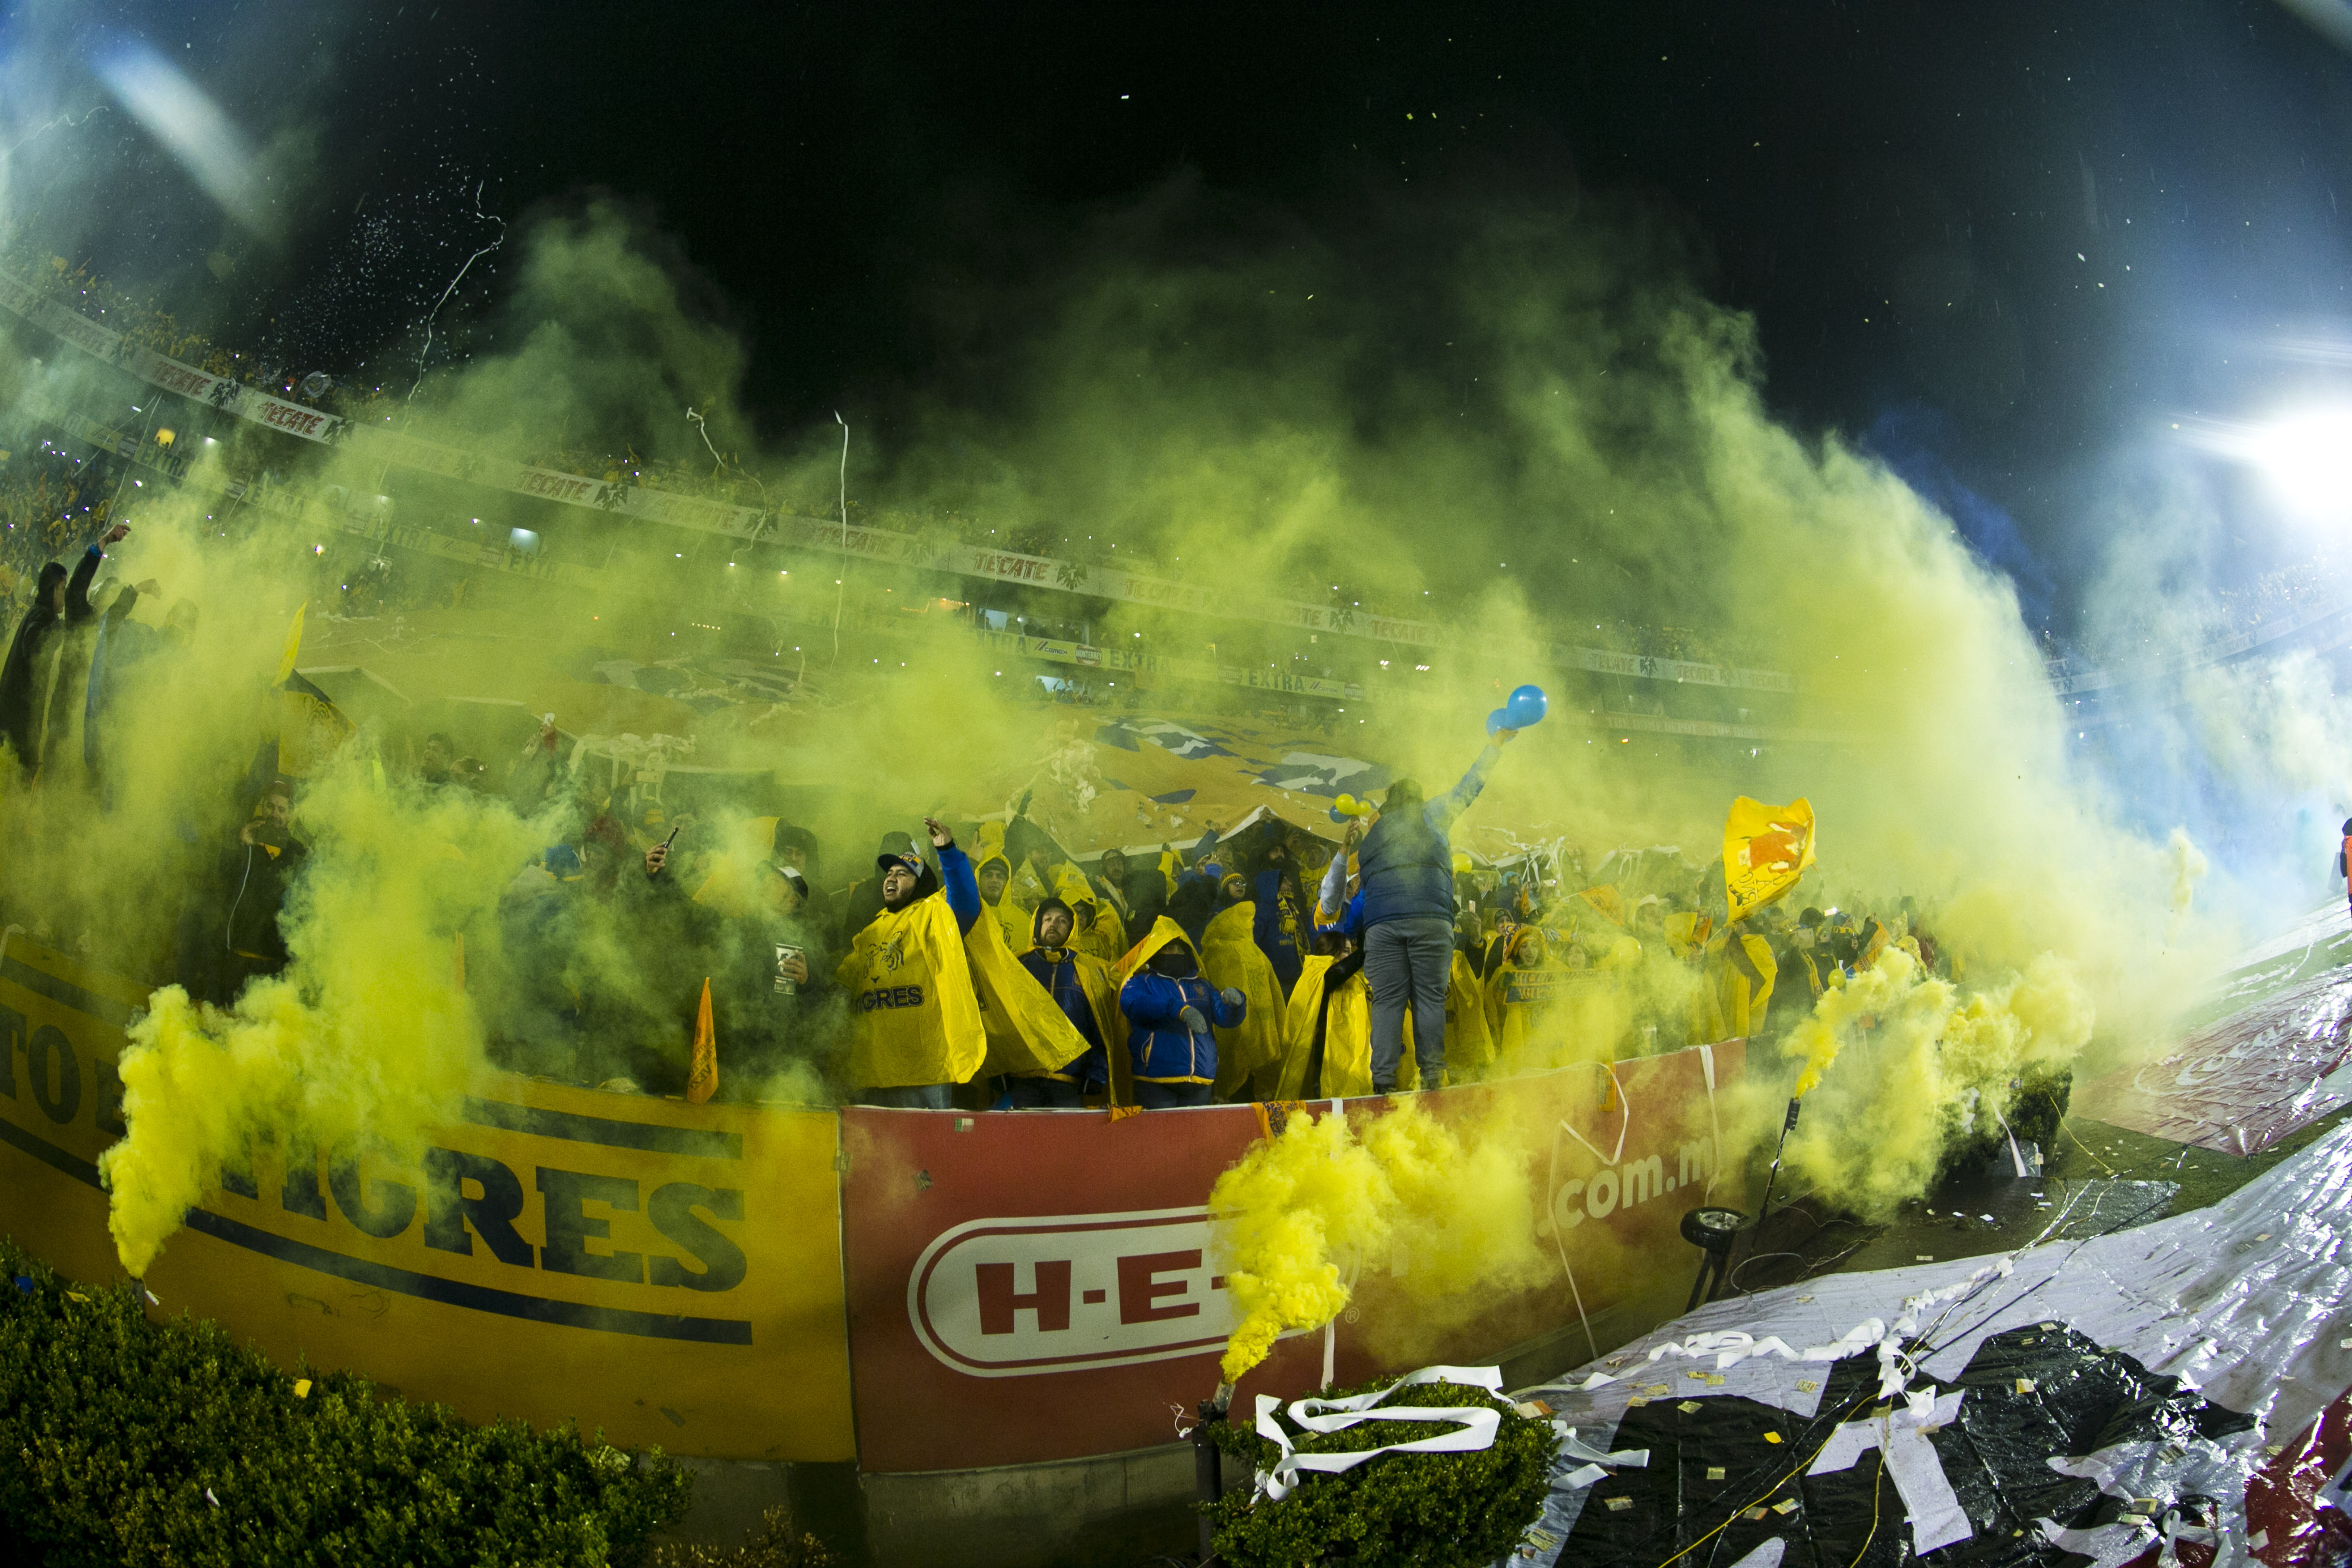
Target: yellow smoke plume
1445 1214
365 1034
1907 1048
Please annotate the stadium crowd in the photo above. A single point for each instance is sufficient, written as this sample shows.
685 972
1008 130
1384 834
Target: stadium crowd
981 965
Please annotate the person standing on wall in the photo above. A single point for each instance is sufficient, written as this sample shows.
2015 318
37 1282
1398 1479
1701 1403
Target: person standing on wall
1406 871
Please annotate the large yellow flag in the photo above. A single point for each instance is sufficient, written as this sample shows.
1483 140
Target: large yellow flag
1765 849
702 1076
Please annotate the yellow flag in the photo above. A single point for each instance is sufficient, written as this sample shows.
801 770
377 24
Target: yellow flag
1765 849
1607 900
702 1076
293 645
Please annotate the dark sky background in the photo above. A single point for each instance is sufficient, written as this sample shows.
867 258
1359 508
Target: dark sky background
2004 244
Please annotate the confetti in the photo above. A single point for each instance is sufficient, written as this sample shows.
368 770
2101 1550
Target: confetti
1658 1390
1772 1437
1689 1406
2029 1339
1804 1298
2258 1540
77 1296
1696 1376
1619 1504
1806 1385
2024 1386
1715 1472
210 1499
2045 1325
301 1388
1636 1399
2265 1236
1753 1513
1787 1505
1533 1409
1716 1380
1924 1256
153 1298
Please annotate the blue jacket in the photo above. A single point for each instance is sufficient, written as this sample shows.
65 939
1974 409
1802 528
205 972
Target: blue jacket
1405 863
1058 973
1162 1051
1276 928
961 887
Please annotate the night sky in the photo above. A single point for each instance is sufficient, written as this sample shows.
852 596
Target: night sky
2004 245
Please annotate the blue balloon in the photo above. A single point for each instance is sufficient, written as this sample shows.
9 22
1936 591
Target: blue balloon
1337 816
1526 706
1498 720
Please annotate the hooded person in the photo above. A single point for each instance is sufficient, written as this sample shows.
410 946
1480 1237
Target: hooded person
994 876
1540 1014
1230 960
1407 870
1080 987
1172 1014
1280 921
1108 886
915 1022
28 677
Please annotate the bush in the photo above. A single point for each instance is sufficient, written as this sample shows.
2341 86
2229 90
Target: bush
1434 1510
124 1443
778 1543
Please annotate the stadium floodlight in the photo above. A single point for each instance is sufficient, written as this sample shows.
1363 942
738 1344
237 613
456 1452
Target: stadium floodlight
2308 457
2304 456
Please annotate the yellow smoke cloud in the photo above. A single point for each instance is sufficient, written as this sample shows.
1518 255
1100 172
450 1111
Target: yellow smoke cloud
366 1033
1442 1214
1886 1060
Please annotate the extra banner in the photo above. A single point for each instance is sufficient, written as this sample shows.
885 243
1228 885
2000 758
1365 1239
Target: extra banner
668 1273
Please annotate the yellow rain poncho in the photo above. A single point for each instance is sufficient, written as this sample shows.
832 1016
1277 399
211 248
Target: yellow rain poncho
1469 1046
1027 1032
1344 1013
914 1010
1542 1013
1743 971
1012 920
1230 960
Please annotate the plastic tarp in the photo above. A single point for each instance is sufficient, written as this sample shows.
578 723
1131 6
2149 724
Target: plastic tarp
2141 1392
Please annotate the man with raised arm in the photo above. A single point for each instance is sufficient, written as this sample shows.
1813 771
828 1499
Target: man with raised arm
1406 870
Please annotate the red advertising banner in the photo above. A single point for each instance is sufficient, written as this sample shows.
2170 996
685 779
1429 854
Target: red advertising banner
1026 1287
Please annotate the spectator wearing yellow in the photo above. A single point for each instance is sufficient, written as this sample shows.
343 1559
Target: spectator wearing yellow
914 1011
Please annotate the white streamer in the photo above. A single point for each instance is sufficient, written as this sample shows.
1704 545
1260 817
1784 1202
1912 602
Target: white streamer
1476 1425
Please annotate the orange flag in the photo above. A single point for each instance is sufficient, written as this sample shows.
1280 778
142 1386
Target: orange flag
702 1077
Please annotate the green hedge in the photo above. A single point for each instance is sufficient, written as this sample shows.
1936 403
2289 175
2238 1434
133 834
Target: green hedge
1432 1511
125 1444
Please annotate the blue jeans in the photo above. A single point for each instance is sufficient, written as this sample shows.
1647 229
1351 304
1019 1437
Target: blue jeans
1406 960
1168 1096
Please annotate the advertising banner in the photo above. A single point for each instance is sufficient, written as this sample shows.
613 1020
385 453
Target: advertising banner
1038 1285
667 1273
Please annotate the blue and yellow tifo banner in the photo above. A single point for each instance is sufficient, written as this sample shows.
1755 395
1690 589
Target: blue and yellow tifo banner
668 1273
